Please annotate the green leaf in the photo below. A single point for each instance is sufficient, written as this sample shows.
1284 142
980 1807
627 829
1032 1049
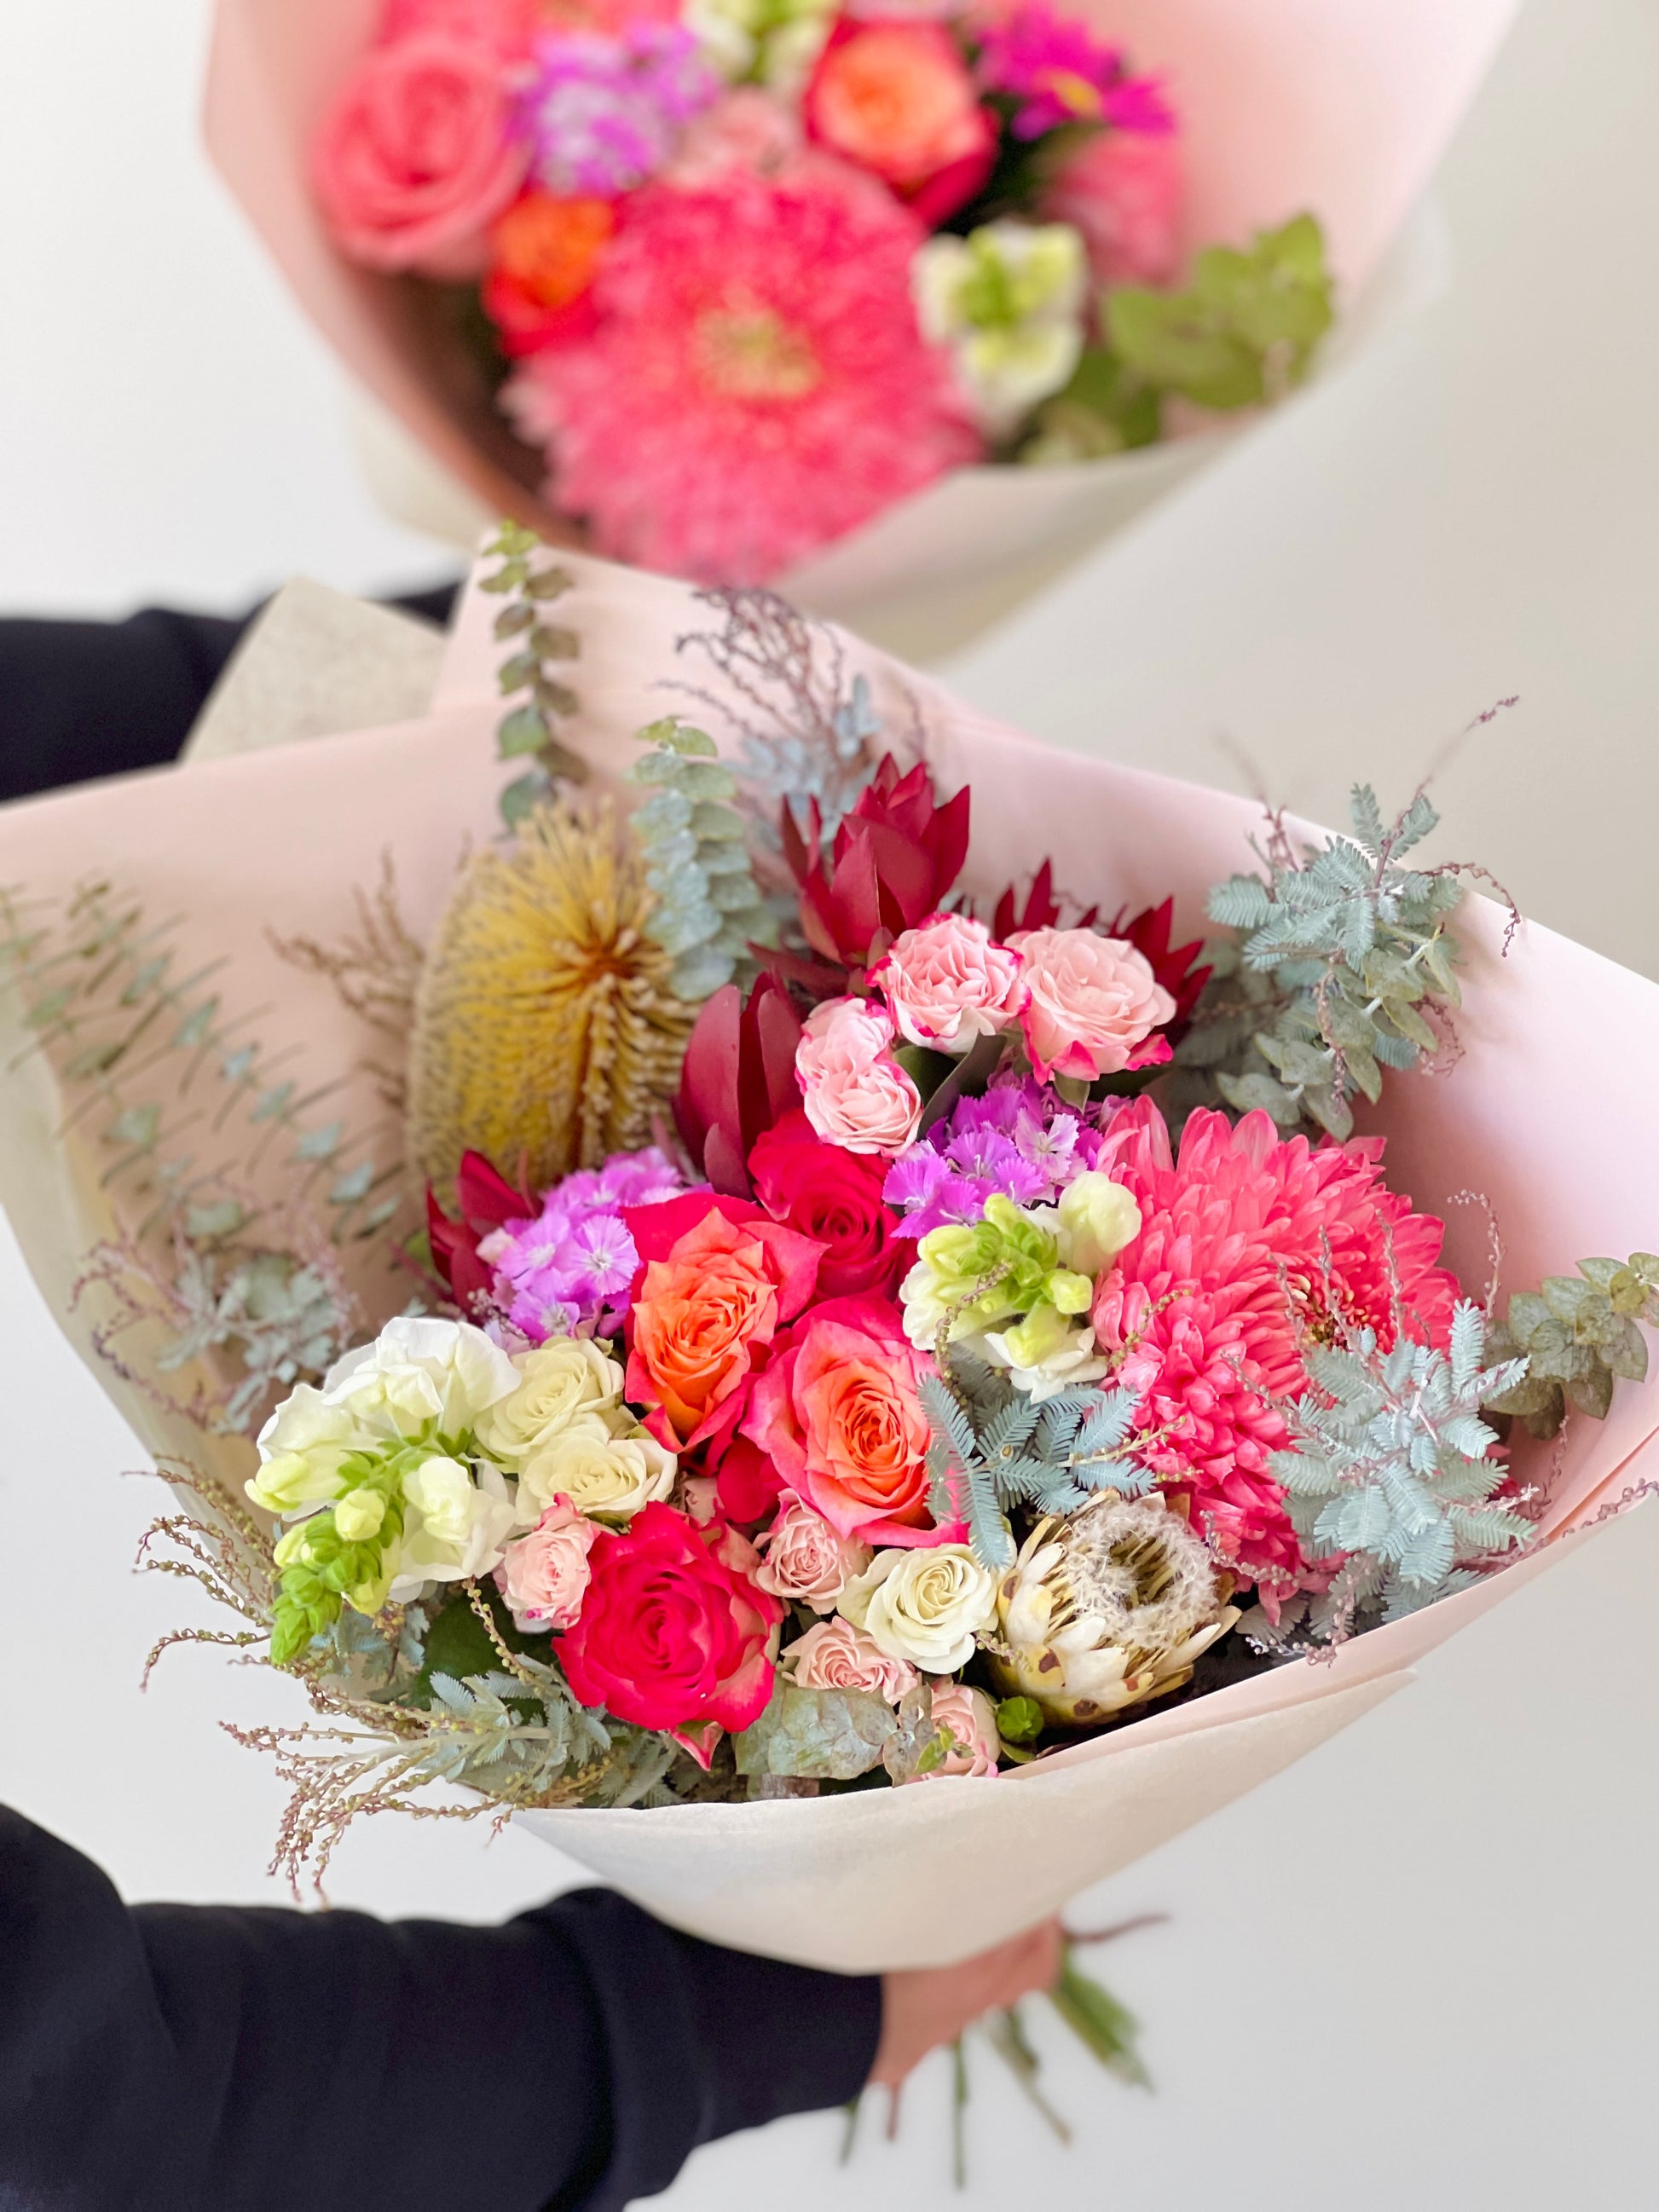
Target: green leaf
1107 2028
512 622
524 731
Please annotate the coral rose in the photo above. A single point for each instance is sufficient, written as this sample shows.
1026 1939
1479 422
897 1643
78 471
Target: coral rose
1094 1006
947 984
673 1634
836 1412
544 254
833 1196
544 1575
897 98
420 155
833 1654
705 1312
856 1093
806 1560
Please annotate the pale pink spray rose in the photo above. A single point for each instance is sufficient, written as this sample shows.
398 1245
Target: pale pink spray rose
544 1575
855 1093
420 154
1123 190
1095 1003
833 1654
972 1720
948 983
806 1560
748 129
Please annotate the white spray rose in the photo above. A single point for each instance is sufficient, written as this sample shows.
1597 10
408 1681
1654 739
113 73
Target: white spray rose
923 1605
602 1467
566 1377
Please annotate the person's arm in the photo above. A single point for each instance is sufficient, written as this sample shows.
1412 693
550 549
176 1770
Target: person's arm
174 2058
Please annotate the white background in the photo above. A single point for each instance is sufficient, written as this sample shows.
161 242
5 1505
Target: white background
1416 1971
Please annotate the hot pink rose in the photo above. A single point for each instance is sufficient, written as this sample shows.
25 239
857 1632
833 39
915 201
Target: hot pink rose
806 1561
833 1196
1123 191
544 1575
1095 1003
673 1634
833 1654
947 984
855 1092
972 1720
837 1413
420 155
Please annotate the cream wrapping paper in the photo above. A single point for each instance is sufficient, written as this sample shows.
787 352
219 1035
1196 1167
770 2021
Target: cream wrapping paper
1341 106
1559 1144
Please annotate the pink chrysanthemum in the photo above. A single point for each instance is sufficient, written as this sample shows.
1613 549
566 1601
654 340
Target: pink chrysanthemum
1252 1246
755 385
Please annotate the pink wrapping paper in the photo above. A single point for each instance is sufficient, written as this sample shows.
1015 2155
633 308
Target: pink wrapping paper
1343 107
1561 1147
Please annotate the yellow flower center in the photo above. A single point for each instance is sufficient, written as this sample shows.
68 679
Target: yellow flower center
752 353
1072 91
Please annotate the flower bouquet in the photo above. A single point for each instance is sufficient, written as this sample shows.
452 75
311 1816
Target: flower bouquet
804 1321
876 299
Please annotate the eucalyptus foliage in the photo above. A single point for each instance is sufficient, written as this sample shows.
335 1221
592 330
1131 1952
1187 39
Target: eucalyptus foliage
535 649
1342 956
709 909
1578 1334
993 1448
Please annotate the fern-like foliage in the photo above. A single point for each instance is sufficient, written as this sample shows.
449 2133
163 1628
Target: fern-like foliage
535 649
1578 1334
1343 966
708 909
993 1448
1390 1463
807 729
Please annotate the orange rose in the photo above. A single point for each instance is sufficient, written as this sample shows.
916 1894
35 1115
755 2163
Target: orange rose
706 1312
898 98
544 253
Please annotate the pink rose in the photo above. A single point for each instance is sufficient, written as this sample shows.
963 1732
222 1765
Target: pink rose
748 129
420 155
970 1718
1123 190
806 1561
1095 1003
855 1091
836 1413
544 1575
946 983
833 1654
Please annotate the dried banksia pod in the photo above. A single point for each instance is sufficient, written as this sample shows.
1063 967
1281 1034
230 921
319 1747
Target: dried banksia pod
1107 1609
545 1034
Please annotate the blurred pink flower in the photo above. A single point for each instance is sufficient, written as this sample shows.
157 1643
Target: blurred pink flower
1057 72
1124 192
755 385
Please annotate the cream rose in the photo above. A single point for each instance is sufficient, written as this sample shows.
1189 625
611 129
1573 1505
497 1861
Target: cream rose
453 1528
833 1654
560 1379
419 1371
926 1606
805 1559
855 1093
1094 1002
947 984
600 1472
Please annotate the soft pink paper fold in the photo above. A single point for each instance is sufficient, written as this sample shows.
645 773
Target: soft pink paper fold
1561 1148
1343 107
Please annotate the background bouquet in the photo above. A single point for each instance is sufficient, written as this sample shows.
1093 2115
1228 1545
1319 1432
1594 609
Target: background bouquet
732 285
925 1408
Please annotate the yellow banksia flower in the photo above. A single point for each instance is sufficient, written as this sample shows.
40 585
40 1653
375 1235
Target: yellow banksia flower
545 1034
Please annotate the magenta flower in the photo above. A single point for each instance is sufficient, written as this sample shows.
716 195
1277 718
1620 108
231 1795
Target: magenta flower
572 1266
605 113
1056 73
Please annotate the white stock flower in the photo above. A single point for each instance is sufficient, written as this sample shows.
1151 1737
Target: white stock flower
566 1377
454 1527
419 1370
1008 301
924 1606
775 42
600 1472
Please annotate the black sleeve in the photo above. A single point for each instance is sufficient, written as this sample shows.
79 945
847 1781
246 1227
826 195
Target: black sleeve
82 699
179 2058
